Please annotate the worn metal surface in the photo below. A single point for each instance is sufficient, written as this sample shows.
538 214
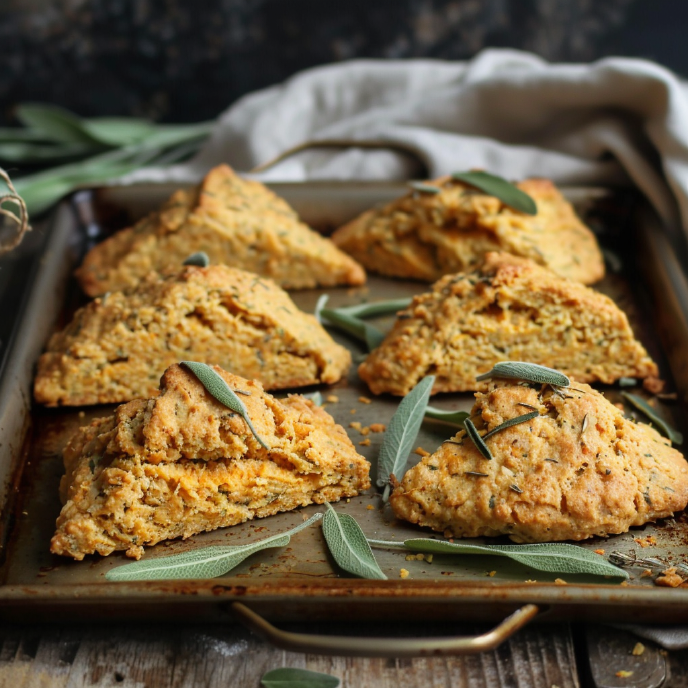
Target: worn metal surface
300 580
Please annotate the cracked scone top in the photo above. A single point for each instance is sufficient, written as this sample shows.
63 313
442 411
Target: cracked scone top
578 470
235 221
117 347
508 309
183 463
424 236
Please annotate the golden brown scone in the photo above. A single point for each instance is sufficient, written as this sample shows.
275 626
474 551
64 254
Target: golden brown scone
424 236
579 469
236 222
117 347
183 463
509 309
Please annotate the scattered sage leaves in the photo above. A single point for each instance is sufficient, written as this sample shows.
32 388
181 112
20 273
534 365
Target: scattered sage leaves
453 417
530 372
640 403
367 310
287 677
355 327
199 259
495 186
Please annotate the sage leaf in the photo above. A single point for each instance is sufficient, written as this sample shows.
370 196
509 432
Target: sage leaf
511 422
349 546
208 562
366 310
315 397
453 417
53 122
477 440
220 390
200 259
320 304
402 433
553 557
286 677
353 326
627 382
530 372
424 188
495 186
674 435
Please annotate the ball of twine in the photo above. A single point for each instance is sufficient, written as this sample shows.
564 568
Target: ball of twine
12 208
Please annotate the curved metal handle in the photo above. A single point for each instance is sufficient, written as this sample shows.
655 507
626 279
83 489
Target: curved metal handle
346 646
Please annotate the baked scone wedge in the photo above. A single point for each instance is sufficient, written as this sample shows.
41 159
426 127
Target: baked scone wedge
579 469
117 347
426 235
235 221
508 309
183 463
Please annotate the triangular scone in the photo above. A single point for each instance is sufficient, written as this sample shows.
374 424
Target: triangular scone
183 463
424 235
236 222
509 309
117 347
579 469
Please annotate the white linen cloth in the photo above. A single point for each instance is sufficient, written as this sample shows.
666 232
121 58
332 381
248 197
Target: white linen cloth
615 121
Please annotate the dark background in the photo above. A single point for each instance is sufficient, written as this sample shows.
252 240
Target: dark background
187 60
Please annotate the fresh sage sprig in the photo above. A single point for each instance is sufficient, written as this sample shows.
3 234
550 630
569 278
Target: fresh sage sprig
199 259
453 417
495 186
348 545
529 372
477 440
208 562
553 557
402 433
354 326
220 390
511 422
674 435
286 677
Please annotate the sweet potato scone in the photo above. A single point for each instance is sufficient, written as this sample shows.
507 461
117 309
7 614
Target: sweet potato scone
424 235
509 309
577 470
183 463
236 222
117 347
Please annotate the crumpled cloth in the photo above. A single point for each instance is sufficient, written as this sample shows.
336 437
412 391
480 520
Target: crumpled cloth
615 121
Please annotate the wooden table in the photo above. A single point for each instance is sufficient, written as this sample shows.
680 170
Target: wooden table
215 656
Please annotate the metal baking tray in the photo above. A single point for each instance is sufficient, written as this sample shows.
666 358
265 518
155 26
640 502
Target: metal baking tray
300 581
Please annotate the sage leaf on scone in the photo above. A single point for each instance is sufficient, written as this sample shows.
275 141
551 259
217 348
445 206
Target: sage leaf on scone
200 259
349 546
208 562
424 188
402 433
674 435
495 186
354 326
529 372
545 556
287 677
219 389
454 417
511 422
477 440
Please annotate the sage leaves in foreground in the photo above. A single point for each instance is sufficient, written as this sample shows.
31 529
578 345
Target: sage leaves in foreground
348 545
674 435
220 390
495 186
353 326
208 562
287 677
529 372
553 557
402 433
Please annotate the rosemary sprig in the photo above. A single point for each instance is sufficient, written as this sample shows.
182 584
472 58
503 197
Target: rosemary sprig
477 440
511 422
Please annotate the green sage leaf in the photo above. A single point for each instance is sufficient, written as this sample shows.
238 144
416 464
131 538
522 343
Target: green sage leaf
402 433
674 435
477 440
424 187
511 422
315 397
553 557
353 326
208 562
319 305
53 122
200 259
495 186
220 390
627 382
530 372
286 677
348 545
454 417
367 310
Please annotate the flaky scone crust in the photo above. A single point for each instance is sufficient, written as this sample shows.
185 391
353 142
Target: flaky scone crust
424 236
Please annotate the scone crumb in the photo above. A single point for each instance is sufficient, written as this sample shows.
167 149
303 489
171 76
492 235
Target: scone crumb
560 581
638 650
378 427
365 430
654 385
531 581
428 558
421 452
352 411
641 542
669 578
491 573
81 414
332 399
403 573
624 584
624 674
599 551
370 507
355 425
364 443
414 557
365 400
647 573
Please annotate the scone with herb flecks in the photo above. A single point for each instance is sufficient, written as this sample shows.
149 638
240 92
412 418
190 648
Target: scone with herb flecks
184 463
508 309
577 470
426 235
235 221
117 347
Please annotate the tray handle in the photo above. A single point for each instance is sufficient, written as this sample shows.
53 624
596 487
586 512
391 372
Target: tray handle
348 646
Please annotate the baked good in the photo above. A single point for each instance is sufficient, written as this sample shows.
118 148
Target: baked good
508 309
117 347
577 470
235 221
424 235
183 463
